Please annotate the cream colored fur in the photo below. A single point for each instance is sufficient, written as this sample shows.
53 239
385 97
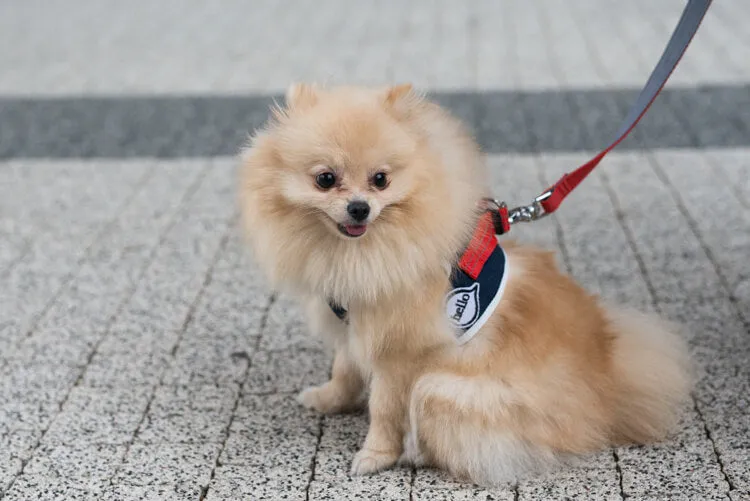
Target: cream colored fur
552 373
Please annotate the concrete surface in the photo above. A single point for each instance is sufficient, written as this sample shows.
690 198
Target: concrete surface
141 355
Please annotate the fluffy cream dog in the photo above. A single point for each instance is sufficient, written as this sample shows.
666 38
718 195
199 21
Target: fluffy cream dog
365 199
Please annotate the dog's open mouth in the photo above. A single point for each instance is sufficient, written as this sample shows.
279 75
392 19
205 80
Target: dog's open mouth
353 230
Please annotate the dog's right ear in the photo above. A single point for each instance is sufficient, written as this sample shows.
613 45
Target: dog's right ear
401 99
300 96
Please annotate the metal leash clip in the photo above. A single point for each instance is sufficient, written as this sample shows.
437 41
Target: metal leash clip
523 213
528 213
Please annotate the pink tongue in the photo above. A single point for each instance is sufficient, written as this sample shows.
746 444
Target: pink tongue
355 230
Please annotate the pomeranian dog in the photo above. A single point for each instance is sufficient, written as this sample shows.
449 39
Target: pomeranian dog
366 204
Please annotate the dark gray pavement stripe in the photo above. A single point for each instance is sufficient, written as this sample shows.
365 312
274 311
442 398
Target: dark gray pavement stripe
504 122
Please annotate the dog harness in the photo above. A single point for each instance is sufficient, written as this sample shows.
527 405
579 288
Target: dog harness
477 282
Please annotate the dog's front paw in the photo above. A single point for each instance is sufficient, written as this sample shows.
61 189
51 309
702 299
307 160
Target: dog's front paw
327 399
368 461
315 398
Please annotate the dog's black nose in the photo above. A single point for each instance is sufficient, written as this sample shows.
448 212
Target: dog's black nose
358 210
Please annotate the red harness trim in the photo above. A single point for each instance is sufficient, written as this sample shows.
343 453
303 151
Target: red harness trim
482 244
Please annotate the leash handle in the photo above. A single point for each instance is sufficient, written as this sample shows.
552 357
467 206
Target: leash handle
550 200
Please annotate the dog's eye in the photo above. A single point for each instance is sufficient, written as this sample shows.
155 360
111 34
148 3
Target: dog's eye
380 180
325 180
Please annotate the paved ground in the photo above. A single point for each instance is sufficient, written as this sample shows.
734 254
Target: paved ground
141 355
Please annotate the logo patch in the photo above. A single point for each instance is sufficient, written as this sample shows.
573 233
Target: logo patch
462 306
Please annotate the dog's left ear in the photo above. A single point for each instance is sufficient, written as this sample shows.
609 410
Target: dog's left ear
401 98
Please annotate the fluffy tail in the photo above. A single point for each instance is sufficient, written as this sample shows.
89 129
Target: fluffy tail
653 374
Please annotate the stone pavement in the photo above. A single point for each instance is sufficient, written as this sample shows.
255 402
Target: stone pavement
141 354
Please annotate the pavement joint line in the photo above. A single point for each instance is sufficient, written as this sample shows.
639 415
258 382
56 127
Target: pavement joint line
389 74
691 223
560 235
618 469
261 331
575 110
620 218
709 436
622 221
687 126
549 52
510 27
638 55
472 46
643 64
552 59
73 274
223 241
704 34
412 479
679 202
719 171
597 59
590 46
146 264
318 439
314 460
720 14
14 262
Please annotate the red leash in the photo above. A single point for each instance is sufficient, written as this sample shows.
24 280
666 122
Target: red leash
550 200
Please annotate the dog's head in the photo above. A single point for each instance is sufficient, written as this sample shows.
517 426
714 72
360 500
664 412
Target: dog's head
358 189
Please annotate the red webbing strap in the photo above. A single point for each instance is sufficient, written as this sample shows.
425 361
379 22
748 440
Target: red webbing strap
691 19
482 244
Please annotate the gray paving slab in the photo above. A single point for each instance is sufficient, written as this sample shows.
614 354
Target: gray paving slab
287 370
104 48
274 483
127 492
390 489
114 260
190 420
600 254
81 466
50 488
341 438
63 236
85 427
595 484
271 431
286 329
170 464
504 121
703 193
712 351
429 482
172 423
